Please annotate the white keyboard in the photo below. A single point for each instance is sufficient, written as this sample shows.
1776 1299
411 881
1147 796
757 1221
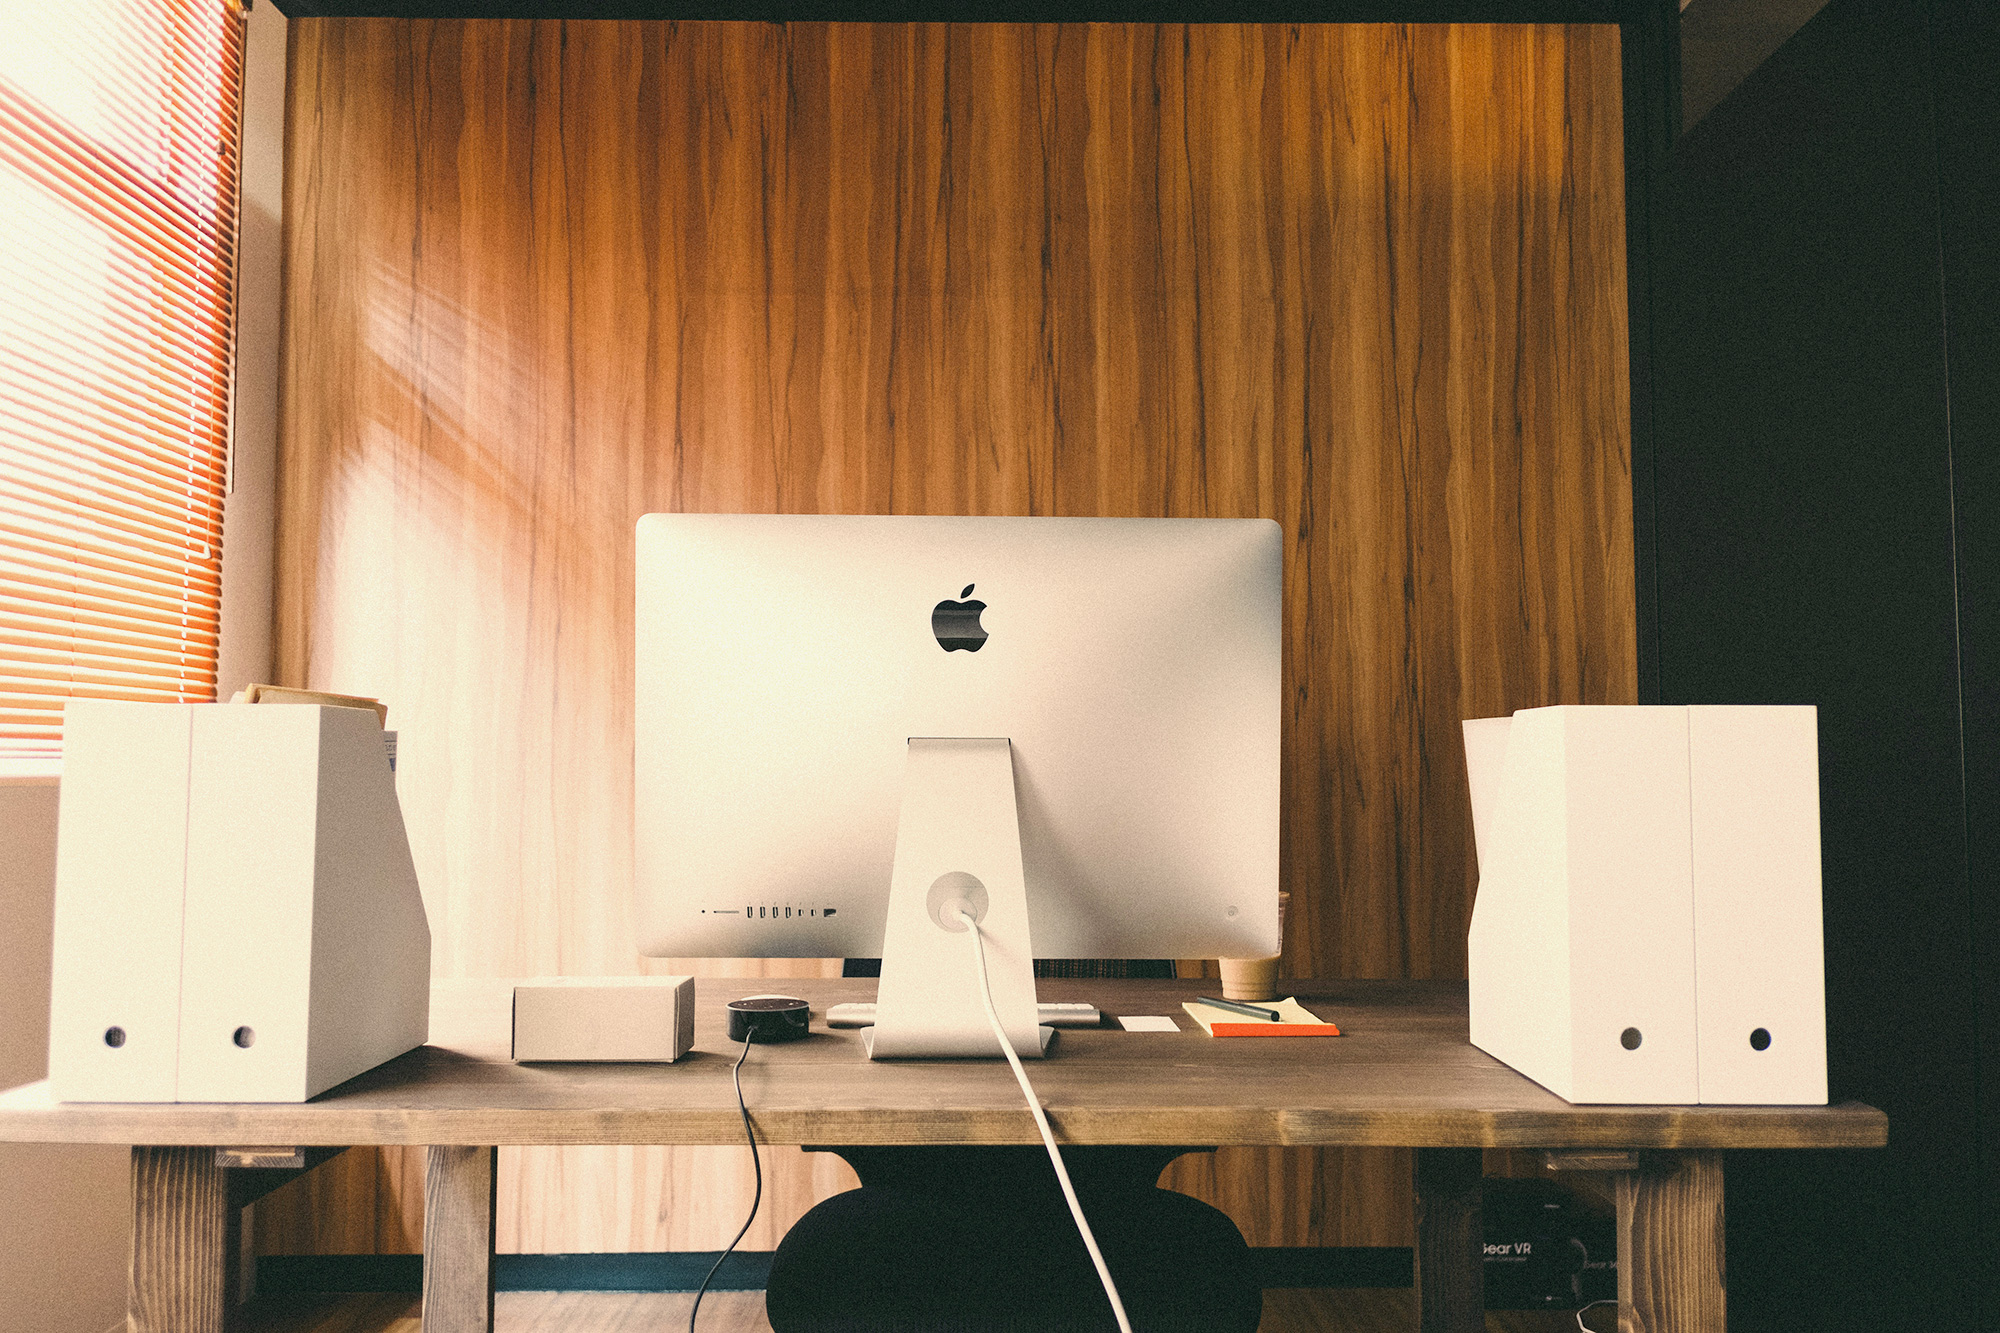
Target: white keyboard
1051 1015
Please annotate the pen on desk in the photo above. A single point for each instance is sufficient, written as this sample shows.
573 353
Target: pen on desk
1234 1007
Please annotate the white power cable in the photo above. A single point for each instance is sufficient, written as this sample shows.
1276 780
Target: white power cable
1042 1123
1591 1306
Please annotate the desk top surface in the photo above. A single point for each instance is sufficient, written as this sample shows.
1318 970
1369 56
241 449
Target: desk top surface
1403 1075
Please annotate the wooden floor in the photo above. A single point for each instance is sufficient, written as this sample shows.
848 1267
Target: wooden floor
1341 1311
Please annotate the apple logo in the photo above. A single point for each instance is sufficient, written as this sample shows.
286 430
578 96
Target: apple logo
957 626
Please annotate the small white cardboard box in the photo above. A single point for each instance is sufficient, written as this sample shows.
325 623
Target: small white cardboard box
604 1018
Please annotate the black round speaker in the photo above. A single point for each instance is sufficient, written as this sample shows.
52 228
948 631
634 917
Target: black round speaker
768 1018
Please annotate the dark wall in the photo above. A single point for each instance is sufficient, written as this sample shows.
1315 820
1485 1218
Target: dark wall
1826 492
1966 43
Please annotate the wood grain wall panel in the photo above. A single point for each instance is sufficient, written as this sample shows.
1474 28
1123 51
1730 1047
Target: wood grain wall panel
545 277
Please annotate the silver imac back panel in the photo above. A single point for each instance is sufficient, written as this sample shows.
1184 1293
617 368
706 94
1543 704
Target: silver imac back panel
783 664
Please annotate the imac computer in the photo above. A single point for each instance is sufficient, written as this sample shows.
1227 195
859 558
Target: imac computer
849 729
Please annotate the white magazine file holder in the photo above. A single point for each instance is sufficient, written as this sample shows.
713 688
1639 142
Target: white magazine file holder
958 842
1647 927
237 912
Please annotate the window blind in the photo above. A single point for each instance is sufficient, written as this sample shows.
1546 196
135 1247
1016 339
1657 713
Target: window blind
119 124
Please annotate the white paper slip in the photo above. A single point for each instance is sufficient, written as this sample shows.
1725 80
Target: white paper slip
1148 1023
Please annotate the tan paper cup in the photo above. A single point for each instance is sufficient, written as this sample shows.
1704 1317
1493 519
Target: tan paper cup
1250 978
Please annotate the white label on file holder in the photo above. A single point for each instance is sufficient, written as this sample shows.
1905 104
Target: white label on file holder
248 953
1760 982
1631 905
121 848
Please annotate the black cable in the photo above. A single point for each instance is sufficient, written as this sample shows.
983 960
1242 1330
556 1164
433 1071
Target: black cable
735 1077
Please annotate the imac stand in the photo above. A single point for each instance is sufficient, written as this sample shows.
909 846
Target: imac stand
958 843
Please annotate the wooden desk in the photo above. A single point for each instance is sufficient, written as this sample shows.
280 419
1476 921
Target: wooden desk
1403 1076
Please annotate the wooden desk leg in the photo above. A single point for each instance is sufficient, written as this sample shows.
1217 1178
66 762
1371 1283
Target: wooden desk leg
180 1225
458 1239
1451 1282
1670 1276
